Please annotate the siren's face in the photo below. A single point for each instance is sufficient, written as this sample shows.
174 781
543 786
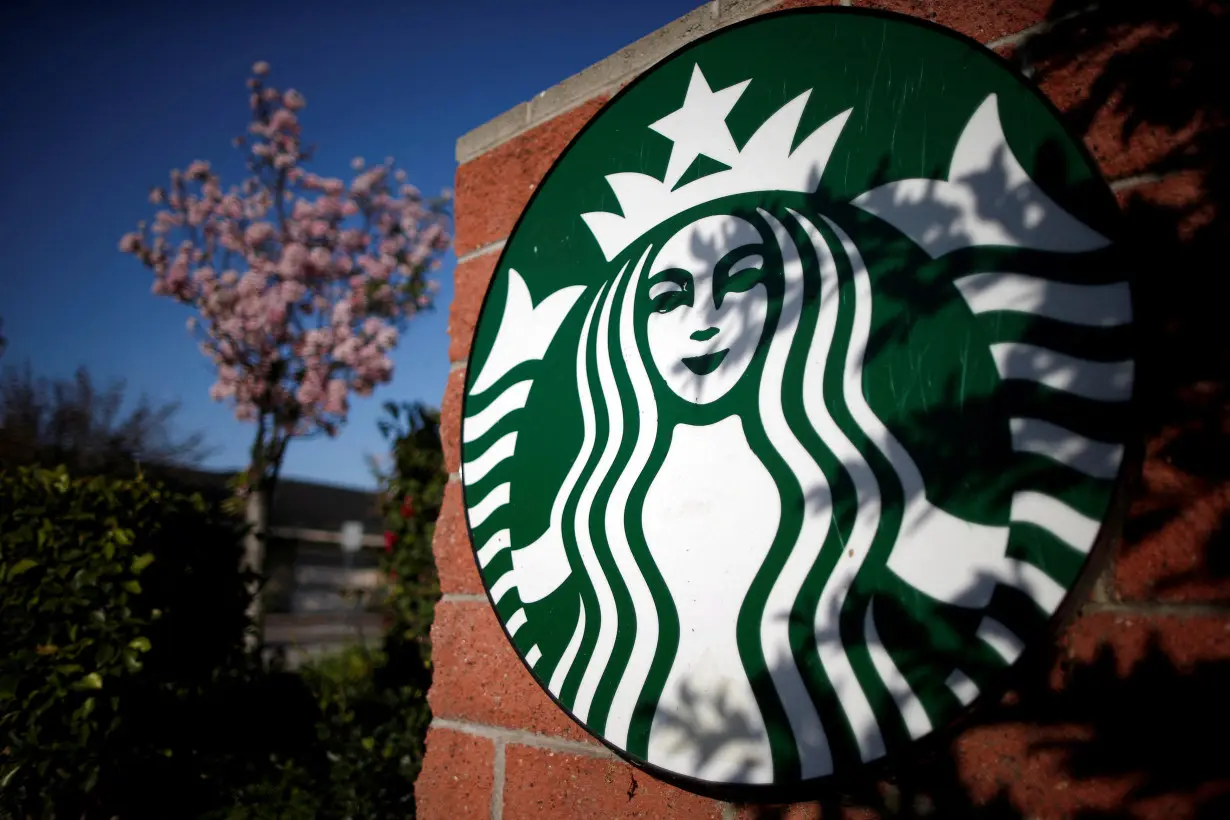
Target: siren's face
707 306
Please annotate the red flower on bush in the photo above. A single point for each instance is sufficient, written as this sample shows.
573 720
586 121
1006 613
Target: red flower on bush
407 507
389 540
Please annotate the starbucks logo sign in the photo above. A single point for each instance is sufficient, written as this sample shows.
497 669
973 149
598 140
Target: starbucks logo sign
798 399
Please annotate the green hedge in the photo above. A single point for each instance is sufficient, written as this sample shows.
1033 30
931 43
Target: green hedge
125 687
125 690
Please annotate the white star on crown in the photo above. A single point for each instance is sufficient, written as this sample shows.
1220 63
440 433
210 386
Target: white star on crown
766 162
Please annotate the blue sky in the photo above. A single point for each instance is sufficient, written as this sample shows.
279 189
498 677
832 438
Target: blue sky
98 101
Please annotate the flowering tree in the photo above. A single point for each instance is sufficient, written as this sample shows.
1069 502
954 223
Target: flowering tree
300 283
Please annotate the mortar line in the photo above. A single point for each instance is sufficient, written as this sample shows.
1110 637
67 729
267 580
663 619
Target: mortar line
1039 28
728 811
462 597
1136 180
455 366
497 783
524 738
490 247
1144 609
454 478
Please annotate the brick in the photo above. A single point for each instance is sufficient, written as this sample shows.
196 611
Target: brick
492 190
1186 641
984 20
540 783
1176 552
456 780
452 547
470 282
1025 763
804 811
1117 728
478 676
1182 195
450 420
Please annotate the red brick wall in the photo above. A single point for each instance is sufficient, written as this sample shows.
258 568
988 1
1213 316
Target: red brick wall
1127 716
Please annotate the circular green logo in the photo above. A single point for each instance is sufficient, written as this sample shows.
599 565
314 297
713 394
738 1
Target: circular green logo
798 398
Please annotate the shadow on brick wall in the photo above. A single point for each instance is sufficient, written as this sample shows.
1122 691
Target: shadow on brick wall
1134 724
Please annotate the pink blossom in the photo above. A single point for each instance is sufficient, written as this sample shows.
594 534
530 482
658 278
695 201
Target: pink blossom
294 256
357 163
386 338
302 210
335 397
129 242
293 100
346 351
293 291
366 181
320 258
284 120
250 284
342 313
260 68
198 169
375 268
328 207
258 232
353 239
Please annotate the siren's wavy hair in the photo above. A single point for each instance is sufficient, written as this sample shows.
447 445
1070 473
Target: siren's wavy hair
626 637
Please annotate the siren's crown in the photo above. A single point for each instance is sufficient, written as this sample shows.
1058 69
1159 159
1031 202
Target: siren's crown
765 163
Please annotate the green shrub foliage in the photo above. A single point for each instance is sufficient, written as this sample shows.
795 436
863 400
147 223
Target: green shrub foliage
125 687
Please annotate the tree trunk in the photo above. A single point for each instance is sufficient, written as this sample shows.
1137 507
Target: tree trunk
256 516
